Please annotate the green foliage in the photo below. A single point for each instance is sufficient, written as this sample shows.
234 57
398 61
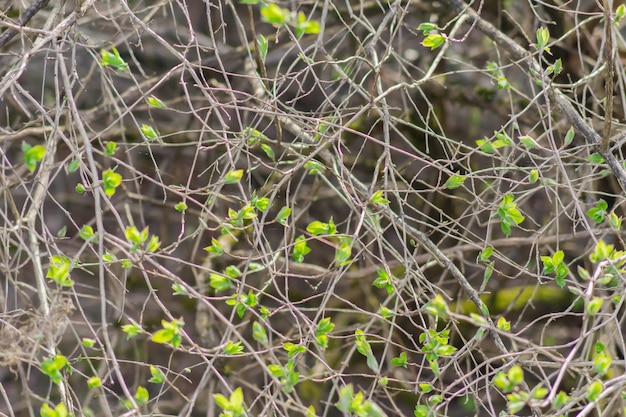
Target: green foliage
233 348
113 59
33 155
383 280
155 102
59 411
497 72
233 177
110 181
555 264
53 366
488 146
324 327
378 198
216 247
149 132
262 44
283 215
543 37
317 228
86 233
242 302
365 349
594 390
300 249
233 406
110 148
259 334
141 397
158 377
437 307
356 404
220 282
131 330
59 271
287 375
455 181
400 361
509 214
599 212
137 239
170 333
94 382
434 41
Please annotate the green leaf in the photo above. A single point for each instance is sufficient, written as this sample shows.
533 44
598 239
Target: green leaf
560 400
274 14
216 247
504 324
259 334
33 155
262 44
59 270
268 151
615 222
427 27
569 136
181 206
543 37
233 176
148 132
400 361
344 251
620 12
131 330
75 164
364 348
594 390
233 348
155 102
599 212
485 254
220 282
516 375
594 306
533 176
433 41
596 158
528 142
113 59
110 181
179 289
141 396
602 363
110 148
300 249
378 198
158 377
283 215
455 181
86 233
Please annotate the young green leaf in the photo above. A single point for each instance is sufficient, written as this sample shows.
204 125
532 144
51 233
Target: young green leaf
455 181
155 102
262 44
433 41
33 155
233 177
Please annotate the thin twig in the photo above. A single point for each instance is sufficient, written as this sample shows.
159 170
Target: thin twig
28 14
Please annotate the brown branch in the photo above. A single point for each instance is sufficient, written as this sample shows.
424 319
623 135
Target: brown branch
554 94
28 14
